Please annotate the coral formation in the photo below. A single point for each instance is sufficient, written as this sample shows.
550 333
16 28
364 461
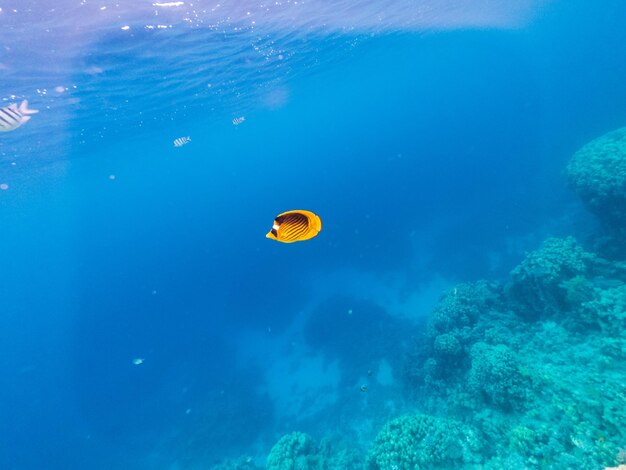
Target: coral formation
524 374
552 387
496 376
298 451
242 463
422 441
597 172
295 451
607 310
528 373
539 283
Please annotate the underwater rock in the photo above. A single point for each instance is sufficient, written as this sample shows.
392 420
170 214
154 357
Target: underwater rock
357 333
597 172
424 441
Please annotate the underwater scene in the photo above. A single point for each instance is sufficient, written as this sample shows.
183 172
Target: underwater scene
304 234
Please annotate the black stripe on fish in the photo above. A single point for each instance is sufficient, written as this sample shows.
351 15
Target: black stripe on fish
6 122
291 225
295 231
300 226
11 119
296 218
17 114
274 232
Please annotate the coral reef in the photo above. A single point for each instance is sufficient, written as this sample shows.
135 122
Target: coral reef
422 441
524 374
544 387
495 374
295 451
527 374
597 172
242 463
298 451
607 310
539 284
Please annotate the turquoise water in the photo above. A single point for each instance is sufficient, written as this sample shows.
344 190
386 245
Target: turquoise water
462 307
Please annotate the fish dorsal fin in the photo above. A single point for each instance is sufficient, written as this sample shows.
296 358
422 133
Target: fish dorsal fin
14 107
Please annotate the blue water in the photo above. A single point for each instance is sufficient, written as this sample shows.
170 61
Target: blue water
433 148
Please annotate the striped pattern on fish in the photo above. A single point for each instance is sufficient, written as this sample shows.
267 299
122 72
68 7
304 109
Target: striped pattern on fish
182 141
292 226
12 117
295 226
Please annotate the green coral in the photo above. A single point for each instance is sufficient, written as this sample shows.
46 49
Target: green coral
295 451
539 284
298 451
460 307
424 441
523 440
447 345
496 376
608 310
242 463
597 172
337 454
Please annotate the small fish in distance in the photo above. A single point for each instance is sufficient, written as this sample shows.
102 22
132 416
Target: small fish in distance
12 117
238 120
182 141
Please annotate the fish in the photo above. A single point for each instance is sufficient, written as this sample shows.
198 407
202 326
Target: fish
238 120
12 117
295 226
182 141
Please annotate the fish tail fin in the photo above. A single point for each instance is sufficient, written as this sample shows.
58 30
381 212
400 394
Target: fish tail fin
24 109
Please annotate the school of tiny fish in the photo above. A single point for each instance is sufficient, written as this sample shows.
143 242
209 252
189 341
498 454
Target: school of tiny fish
182 141
238 120
12 116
